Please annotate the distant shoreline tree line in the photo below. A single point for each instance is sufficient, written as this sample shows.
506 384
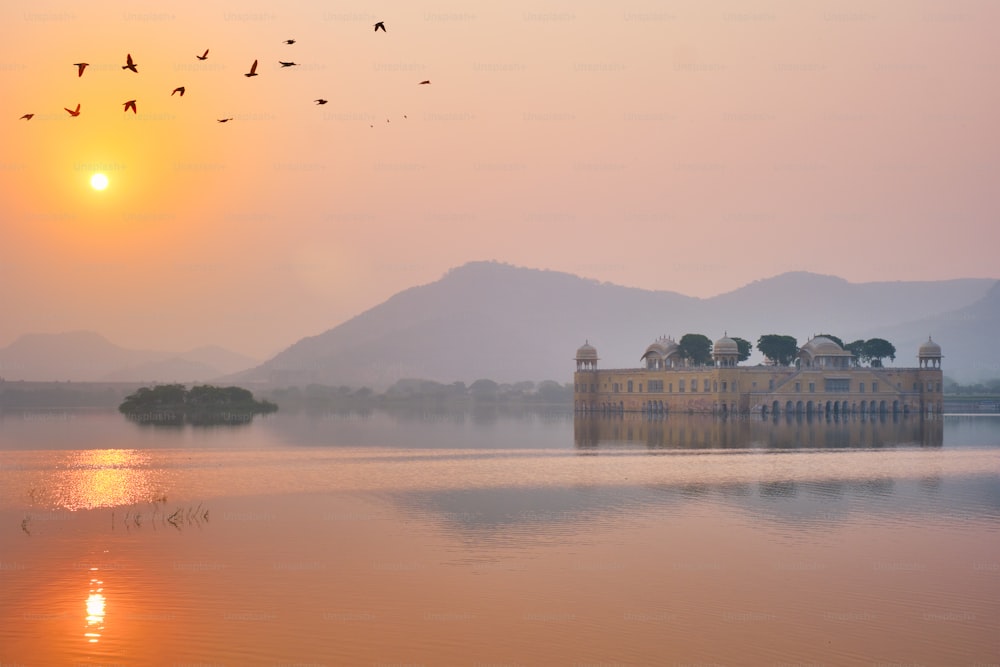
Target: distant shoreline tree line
414 390
985 389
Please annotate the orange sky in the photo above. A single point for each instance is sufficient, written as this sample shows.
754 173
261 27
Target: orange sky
687 146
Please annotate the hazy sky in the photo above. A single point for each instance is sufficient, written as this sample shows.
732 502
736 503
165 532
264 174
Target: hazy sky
689 146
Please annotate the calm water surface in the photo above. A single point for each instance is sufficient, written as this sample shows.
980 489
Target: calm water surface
499 539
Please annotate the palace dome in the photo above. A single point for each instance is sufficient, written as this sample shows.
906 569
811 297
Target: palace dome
725 346
821 346
662 347
654 348
586 352
929 349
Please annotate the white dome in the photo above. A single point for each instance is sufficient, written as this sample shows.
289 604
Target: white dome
929 349
586 352
725 346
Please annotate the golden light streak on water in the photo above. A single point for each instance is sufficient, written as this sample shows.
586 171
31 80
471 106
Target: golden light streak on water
96 609
104 478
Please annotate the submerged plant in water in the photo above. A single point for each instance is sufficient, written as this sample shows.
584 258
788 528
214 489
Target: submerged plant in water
181 516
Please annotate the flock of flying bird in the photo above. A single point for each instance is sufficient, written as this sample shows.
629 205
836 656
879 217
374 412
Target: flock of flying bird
133 66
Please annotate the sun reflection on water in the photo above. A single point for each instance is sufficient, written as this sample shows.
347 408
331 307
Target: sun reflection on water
96 603
105 478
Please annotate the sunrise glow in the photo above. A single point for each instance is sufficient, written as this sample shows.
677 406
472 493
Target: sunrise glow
99 181
532 140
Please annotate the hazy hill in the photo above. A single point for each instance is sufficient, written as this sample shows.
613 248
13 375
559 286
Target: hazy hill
202 364
803 304
87 356
507 323
968 338
480 320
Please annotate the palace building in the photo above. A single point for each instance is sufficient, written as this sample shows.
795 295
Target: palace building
825 379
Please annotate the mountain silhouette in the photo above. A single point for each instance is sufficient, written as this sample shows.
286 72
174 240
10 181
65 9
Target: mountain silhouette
86 356
507 323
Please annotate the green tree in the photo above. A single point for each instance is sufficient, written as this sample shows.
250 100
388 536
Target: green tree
877 349
696 348
160 397
550 391
857 348
745 348
484 389
781 350
523 388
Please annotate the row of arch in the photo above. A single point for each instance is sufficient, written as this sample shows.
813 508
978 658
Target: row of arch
835 408
604 408
649 407
809 408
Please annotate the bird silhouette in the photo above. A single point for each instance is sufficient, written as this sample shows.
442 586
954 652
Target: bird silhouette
72 112
130 105
203 56
380 24
253 70
178 89
129 64
424 82
26 116
320 101
284 64
289 41
80 67
224 120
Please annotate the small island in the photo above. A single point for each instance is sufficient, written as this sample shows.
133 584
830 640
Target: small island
172 404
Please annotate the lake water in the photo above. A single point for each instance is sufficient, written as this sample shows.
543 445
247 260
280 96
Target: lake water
499 538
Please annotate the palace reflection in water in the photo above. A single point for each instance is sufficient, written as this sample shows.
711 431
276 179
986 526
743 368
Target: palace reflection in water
770 432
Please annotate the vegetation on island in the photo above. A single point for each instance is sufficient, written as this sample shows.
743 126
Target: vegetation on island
202 404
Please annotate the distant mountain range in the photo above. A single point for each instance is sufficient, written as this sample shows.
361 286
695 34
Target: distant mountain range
85 356
492 320
506 323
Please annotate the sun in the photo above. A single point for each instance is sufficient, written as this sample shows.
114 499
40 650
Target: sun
98 181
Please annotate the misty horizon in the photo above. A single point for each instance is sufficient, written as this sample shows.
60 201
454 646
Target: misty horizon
531 320
294 337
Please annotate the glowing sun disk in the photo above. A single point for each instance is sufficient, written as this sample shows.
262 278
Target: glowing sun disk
98 181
